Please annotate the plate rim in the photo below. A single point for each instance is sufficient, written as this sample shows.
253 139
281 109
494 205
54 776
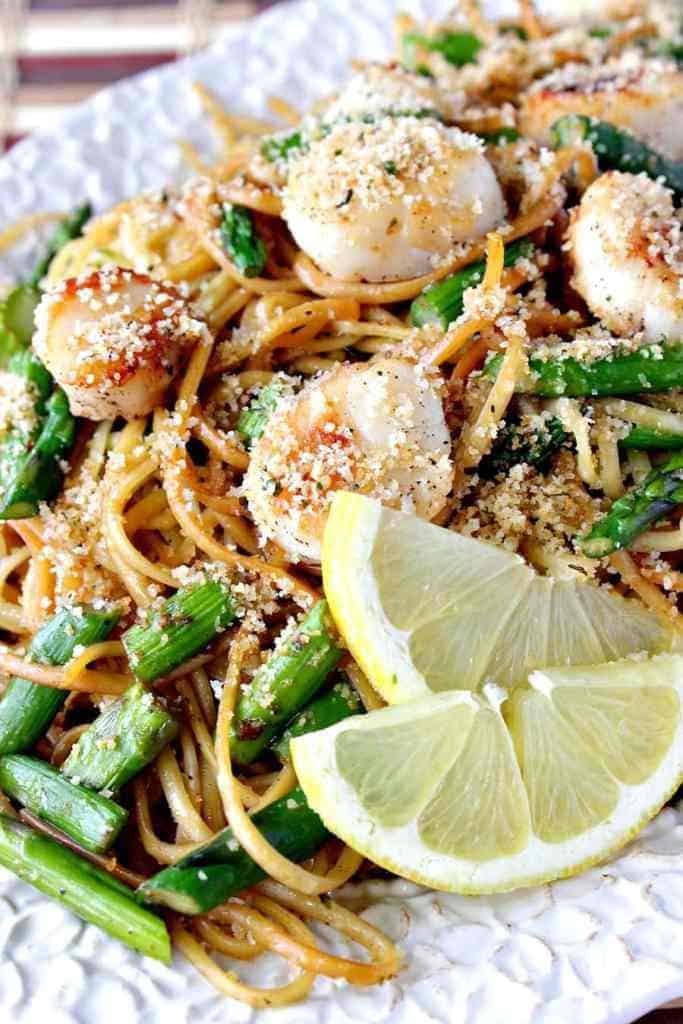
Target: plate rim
88 110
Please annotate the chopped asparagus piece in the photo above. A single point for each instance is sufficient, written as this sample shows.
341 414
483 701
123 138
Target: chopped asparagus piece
650 368
91 820
68 229
282 147
18 312
88 891
293 673
29 466
672 48
26 708
31 472
513 447
500 137
617 149
122 740
441 303
327 709
253 419
631 515
242 242
646 438
220 868
458 48
185 624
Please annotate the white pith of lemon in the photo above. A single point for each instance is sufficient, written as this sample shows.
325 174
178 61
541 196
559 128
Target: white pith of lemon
424 609
488 792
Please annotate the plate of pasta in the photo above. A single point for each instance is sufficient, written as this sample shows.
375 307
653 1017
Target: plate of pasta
341 472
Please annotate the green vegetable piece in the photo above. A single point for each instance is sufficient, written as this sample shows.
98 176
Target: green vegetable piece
649 368
221 868
29 467
441 303
68 229
327 709
122 740
645 439
515 30
631 515
241 240
25 364
458 48
26 708
282 147
89 892
617 149
184 625
31 472
253 419
19 311
672 48
512 447
294 672
91 820
500 137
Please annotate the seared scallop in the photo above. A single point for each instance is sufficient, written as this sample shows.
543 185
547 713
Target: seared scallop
388 200
114 340
377 428
627 251
643 96
378 90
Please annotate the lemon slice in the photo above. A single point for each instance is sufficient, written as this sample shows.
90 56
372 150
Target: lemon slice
485 792
424 609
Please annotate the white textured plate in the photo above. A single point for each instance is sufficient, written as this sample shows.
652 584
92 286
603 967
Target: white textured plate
599 949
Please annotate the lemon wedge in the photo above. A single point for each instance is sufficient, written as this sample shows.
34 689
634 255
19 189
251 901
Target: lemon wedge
487 791
424 609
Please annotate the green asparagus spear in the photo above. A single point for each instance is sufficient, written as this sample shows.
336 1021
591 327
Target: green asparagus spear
458 48
88 891
122 740
242 242
253 419
512 447
19 310
219 869
91 820
30 450
500 137
650 368
186 623
31 472
337 703
25 364
9 343
647 439
68 229
293 673
631 515
672 48
441 303
617 149
26 708
30 469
